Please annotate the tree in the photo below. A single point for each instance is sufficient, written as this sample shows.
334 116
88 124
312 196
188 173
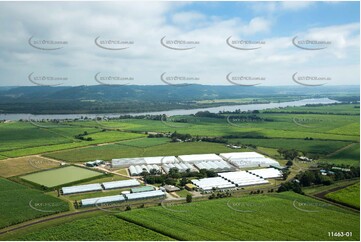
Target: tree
189 198
285 174
289 163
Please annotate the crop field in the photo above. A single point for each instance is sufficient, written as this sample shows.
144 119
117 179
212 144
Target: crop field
24 165
19 203
259 217
21 139
350 155
145 142
108 152
349 196
60 176
309 146
282 126
336 109
105 227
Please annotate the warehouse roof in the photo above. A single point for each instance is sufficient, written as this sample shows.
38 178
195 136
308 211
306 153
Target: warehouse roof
82 188
101 200
199 157
240 155
143 195
142 189
120 184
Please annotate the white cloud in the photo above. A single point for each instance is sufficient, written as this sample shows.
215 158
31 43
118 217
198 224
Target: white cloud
146 24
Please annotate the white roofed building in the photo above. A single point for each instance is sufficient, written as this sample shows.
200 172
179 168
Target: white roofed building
192 159
248 159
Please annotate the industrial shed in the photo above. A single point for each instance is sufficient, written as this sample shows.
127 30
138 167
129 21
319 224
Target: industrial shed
126 162
102 200
145 195
170 188
142 189
266 173
242 178
157 160
81 188
248 159
138 169
207 184
217 166
192 159
120 184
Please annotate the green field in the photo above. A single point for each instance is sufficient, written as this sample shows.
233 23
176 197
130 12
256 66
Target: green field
96 228
19 203
336 109
108 152
60 176
308 146
269 217
145 142
349 196
350 156
20 139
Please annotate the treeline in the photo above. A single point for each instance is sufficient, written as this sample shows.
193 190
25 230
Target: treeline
318 177
176 137
174 175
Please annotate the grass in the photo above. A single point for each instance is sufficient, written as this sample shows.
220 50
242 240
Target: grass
60 176
105 227
16 200
312 190
24 165
337 109
350 156
271 217
21 139
349 196
108 152
145 142
309 146
183 193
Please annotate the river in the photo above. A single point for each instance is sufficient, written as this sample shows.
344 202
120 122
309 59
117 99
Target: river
244 107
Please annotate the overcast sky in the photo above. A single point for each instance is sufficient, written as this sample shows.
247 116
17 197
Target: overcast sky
138 55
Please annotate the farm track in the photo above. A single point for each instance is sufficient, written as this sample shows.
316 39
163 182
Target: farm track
340 150
28 224
321 196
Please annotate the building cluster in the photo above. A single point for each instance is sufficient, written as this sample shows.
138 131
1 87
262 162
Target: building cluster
224 162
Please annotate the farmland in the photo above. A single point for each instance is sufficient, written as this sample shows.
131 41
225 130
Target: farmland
21 139
60 176
16 200
273 217
308 146
350 155
107 152
349 196
96 228
24 165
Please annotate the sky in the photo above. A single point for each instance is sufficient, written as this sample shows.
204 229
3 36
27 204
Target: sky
175 43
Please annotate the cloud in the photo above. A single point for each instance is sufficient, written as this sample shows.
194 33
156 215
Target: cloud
145 24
